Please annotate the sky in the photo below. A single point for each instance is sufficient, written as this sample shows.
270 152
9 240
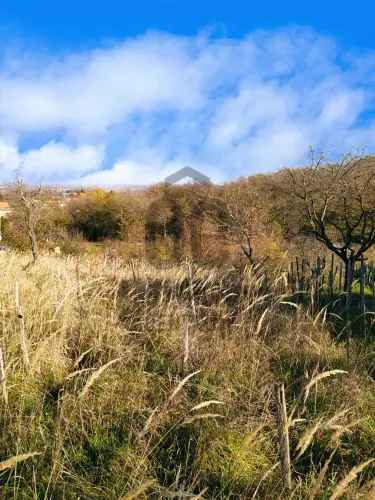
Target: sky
126 93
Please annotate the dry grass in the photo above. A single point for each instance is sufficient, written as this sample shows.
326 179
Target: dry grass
102 379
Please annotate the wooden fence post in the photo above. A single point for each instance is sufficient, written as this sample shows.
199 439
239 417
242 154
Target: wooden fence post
362 293
348 303
298 278
340 278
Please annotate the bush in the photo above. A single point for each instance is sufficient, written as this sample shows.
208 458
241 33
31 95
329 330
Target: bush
101 215
97 216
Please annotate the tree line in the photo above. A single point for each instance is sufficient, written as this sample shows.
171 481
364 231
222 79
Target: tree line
322 205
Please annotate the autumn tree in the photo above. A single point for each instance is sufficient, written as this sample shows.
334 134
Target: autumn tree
36 218
177 215
159 219
98 215
238 211
27 207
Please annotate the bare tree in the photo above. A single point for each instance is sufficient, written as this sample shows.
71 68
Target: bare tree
336 204
28 202
237 212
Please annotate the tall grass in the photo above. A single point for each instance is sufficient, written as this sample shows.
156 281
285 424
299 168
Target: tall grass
127 381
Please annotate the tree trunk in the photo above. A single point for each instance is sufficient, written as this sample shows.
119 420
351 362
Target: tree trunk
362 297
349 274
34 244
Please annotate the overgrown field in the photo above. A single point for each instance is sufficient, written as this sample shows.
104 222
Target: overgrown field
127 381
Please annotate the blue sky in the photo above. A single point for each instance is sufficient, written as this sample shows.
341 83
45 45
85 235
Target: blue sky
127 92
82 23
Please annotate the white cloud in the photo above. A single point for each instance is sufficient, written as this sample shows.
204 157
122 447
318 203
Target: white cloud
125 172
9 159
60 162
135 173
53 163
88 94
132 113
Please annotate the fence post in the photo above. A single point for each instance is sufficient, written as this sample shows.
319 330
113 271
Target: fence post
303 279
348 303
291 274
362 293
298 277
318 280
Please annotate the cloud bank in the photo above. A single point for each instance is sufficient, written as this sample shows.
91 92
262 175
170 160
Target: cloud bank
134 112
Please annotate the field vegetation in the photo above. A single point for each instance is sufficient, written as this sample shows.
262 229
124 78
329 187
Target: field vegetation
191 342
